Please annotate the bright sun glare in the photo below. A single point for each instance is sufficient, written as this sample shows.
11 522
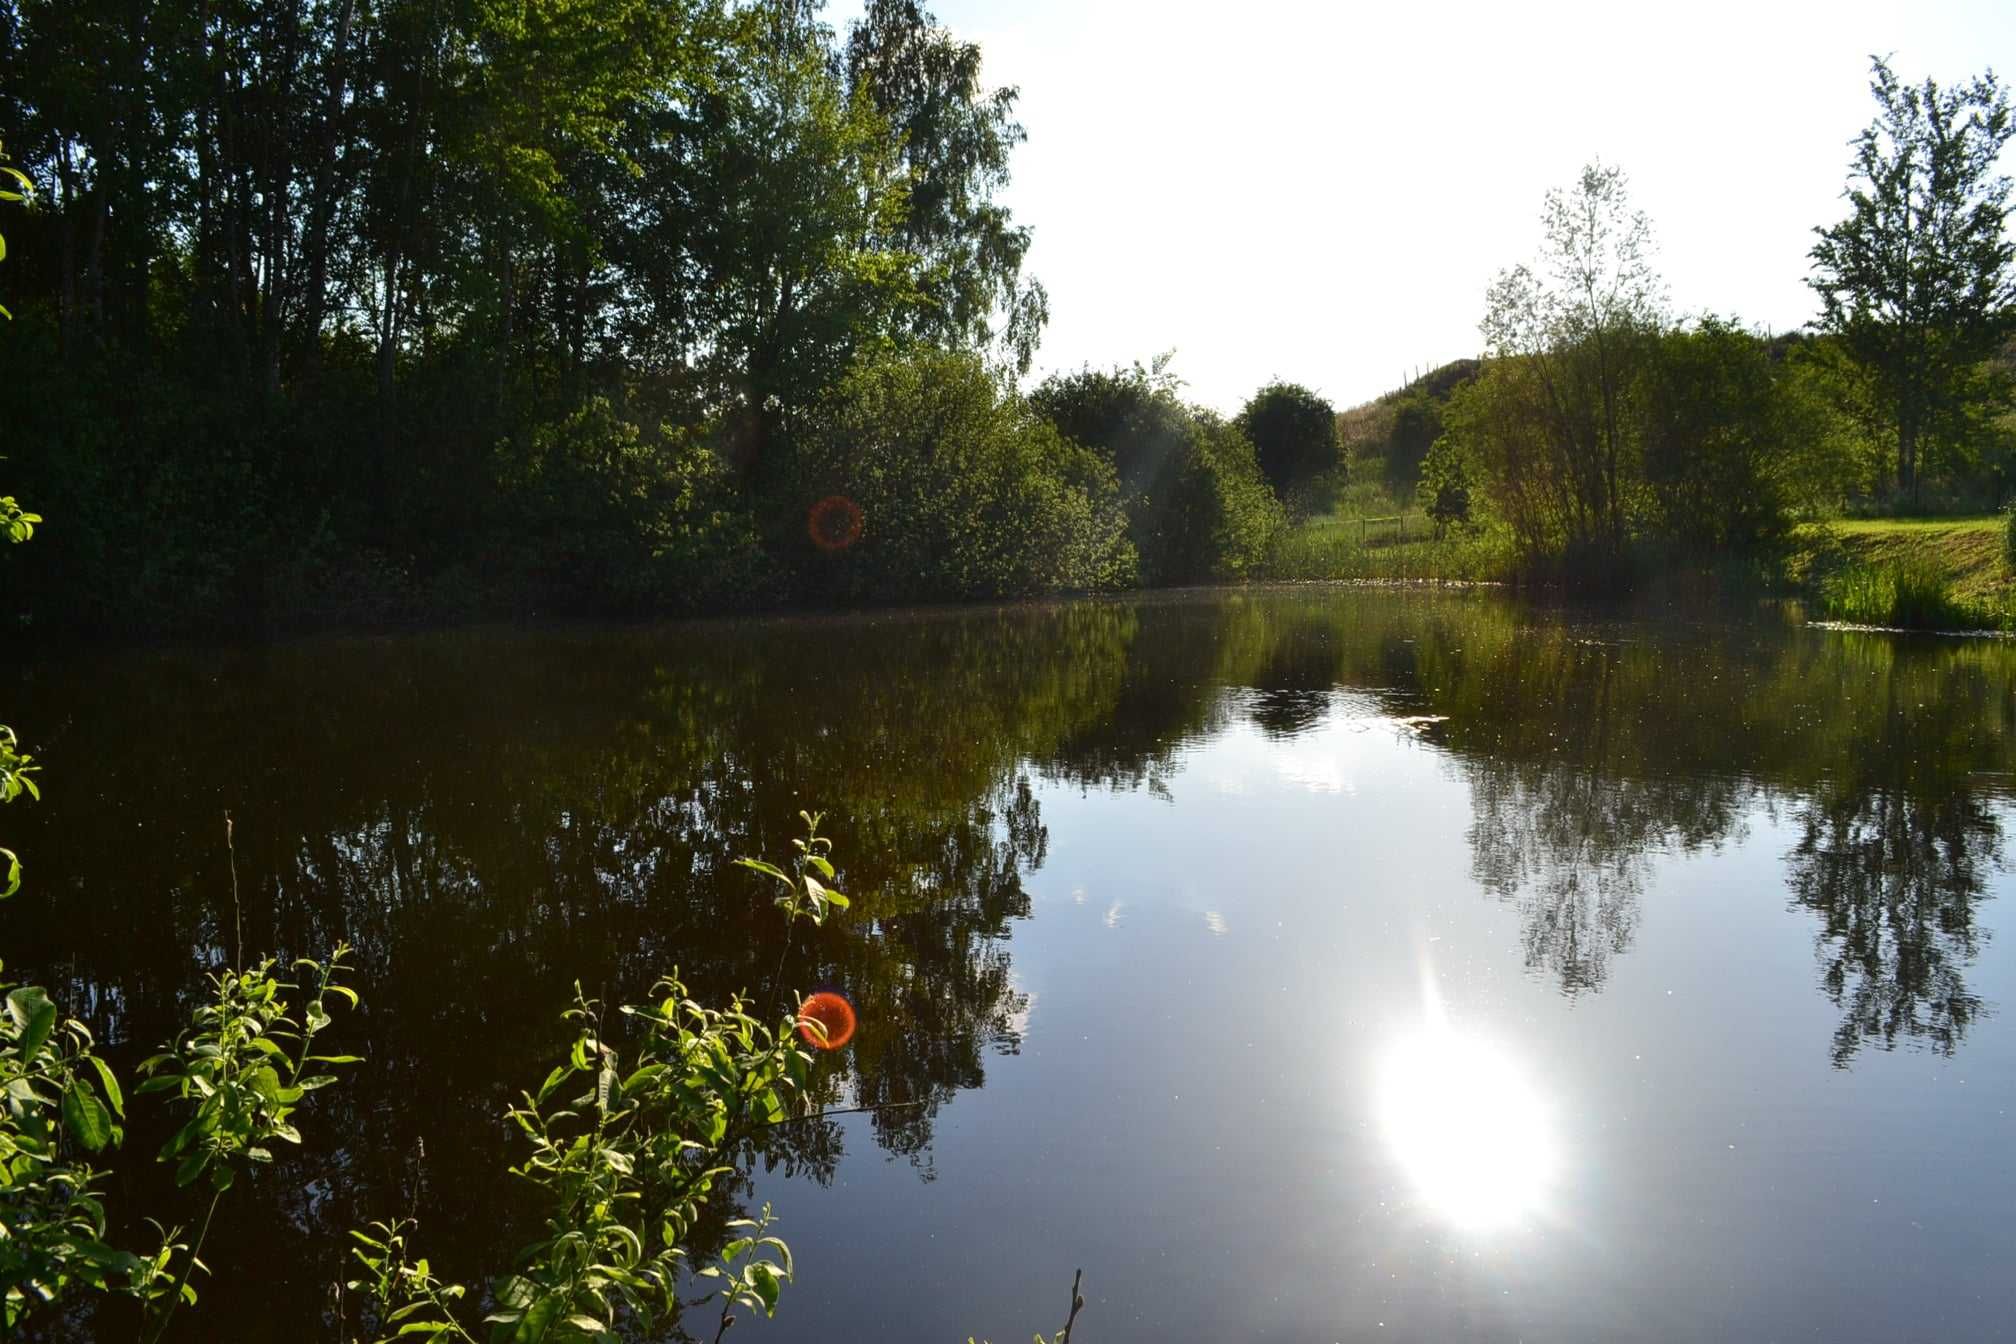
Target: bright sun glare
1467 1127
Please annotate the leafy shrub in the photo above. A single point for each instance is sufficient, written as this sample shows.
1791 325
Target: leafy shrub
1218 518
1294 436
603 513
1417 424
239 1073
1720 437
2009 538
1197 505
1445 489
951 488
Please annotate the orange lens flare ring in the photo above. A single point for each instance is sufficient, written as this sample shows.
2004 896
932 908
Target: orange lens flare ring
834 523
826 1021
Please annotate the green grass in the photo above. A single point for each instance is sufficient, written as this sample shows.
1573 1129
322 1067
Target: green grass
1387 547
1918 573
1909 594
1914 573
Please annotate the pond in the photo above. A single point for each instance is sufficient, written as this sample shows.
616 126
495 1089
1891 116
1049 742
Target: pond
1304 965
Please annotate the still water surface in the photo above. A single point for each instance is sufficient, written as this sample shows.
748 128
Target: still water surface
1306 966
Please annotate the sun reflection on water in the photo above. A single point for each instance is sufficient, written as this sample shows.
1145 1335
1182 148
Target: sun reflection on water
1468 1127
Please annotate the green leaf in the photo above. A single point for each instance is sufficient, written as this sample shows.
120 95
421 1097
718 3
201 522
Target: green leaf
265 1082
764 1280
538 1320
86 1117
110 1081
768 870
13 883
32 1012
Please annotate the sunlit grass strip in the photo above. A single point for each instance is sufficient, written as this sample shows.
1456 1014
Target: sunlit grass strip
1389 550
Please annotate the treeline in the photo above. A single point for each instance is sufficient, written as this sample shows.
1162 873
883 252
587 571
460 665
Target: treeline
366 310
1599 423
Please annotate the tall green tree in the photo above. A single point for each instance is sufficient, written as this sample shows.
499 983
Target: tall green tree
1918 280
1569 334
954 138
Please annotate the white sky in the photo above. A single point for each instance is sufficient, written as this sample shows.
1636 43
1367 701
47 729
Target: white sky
1321 191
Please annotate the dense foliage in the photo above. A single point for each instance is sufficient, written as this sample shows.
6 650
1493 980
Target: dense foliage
1197 504
956 488
381 310
1571 335
1600 422
1722 436
1294 436
1918 283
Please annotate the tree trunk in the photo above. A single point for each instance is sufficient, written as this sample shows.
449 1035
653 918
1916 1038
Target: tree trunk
1907 459
322 198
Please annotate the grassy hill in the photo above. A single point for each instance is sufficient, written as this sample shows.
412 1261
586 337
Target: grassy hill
1384 440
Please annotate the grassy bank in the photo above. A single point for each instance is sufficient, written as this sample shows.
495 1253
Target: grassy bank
1916 573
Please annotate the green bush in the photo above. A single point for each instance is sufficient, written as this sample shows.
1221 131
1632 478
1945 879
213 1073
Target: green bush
1417 424
2009 539
1446 487
602 514
1294 436
1217 518
924 476
1197 505
1720 437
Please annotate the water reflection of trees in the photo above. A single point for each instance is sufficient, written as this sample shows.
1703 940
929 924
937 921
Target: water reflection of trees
1895 881
1586 755
491 816
1897 840
1590 749
1572 849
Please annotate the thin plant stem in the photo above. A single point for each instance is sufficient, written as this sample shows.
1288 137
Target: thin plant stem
188 1268
1077 1305
237 914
